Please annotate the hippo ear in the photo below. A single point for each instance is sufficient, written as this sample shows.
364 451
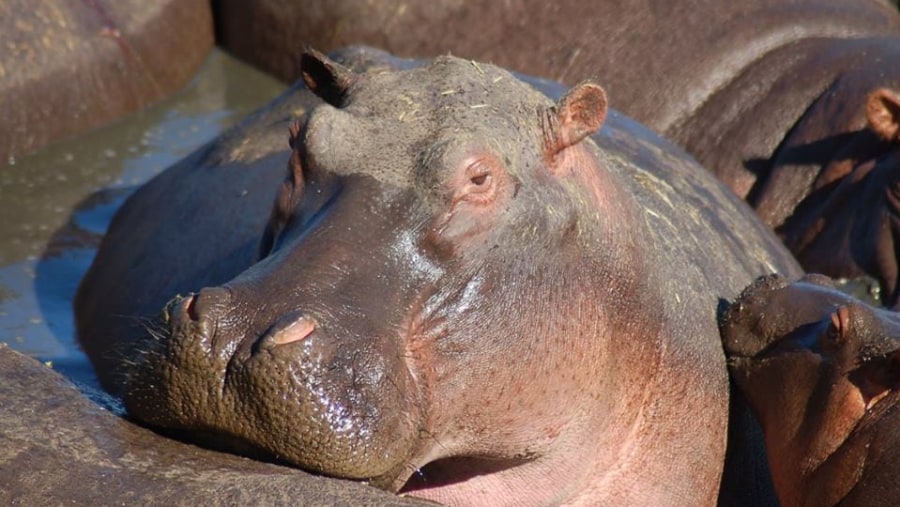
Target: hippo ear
883 114
578 114
326 78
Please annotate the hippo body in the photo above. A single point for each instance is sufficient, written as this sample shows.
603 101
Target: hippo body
67 67
43 462
821 370
769 95
457 293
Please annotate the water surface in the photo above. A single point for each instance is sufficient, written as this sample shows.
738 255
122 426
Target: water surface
55 205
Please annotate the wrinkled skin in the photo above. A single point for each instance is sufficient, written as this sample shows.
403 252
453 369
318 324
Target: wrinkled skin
769 95
54 441
821 370
457 293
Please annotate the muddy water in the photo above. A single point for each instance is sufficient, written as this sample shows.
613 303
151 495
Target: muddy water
56 204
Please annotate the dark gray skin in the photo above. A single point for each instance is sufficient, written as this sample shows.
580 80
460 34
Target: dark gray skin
821 371
59 448
455 282
67 67
770 95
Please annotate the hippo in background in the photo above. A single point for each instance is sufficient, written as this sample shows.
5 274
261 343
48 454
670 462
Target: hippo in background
821 371
769 95
67 67
458 293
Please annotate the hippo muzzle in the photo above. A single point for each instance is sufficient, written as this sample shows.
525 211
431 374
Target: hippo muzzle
304 355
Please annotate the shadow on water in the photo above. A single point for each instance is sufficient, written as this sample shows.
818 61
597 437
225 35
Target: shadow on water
55 205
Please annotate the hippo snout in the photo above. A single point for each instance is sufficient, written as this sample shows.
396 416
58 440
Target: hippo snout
743 324
212 320
766 311
227 363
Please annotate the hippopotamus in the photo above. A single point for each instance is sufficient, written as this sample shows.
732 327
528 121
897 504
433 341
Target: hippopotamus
821 371
450 286
55 441
67 67
771 96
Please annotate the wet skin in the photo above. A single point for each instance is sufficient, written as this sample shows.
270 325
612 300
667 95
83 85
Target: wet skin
444 236
821 370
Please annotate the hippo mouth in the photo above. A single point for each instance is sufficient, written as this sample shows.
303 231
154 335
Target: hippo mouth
448 472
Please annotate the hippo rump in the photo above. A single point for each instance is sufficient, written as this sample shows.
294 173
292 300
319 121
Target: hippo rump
822 371
44 462
457 293
770 95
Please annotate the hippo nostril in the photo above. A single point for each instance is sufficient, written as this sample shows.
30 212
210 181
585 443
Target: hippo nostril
206 305
189 307
290 329
297 331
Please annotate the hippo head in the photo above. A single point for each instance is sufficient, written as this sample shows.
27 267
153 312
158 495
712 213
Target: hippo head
436 258
849 225
813 362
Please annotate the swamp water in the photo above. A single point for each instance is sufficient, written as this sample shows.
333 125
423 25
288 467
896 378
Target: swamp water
55 205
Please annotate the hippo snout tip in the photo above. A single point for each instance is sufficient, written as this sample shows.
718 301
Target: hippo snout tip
765 309
198 306
742 321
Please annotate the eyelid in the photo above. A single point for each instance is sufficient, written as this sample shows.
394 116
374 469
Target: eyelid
479 168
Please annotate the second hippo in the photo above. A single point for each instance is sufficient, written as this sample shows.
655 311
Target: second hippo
458 293
822 371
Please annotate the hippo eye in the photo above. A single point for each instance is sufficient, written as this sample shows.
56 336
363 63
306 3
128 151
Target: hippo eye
481 180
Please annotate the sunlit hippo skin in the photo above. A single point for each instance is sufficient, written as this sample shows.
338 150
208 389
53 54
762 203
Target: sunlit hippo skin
821 370
457 294
770 95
